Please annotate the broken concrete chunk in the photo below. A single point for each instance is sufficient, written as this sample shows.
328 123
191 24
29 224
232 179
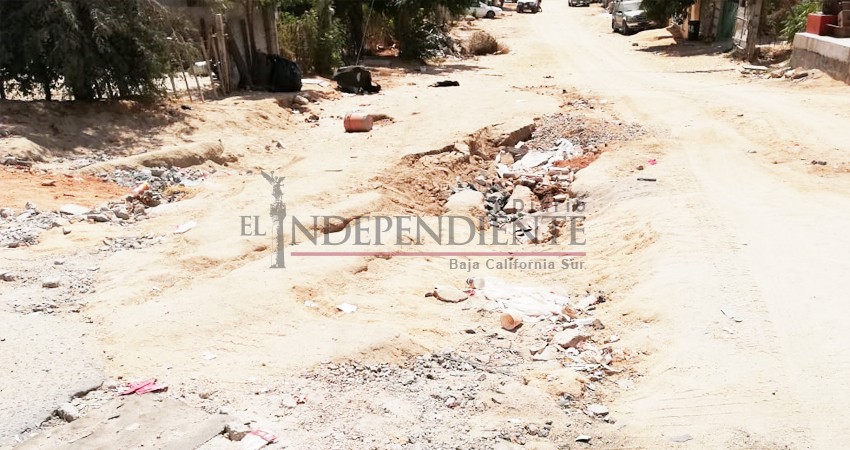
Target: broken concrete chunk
522 199
235 431
569 338
549 353
583 438
68 412
74 210
597 409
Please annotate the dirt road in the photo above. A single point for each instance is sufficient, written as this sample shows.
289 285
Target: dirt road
743 223
726 274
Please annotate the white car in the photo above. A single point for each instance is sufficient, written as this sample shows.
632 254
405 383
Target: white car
481 9
528 5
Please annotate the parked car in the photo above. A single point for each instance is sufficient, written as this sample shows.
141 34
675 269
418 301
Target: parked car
481 9
627 17
528 5
578 2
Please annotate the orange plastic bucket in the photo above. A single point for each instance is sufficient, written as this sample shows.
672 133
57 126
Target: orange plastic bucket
357 122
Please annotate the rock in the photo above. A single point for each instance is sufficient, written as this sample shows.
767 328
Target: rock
300 100
569 338
597 409
537 348
50 283
449 294
549 353
59 262
522 199
98 217
466 202
612 339
560 198
8 276
121 213
66 231
68 412
139 210
235 431
452 402
583 438
681 438
74 210
798 75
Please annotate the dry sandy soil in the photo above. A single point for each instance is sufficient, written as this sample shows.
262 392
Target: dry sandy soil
723 281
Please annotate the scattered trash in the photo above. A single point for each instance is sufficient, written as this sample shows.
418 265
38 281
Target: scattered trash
531 303
681 438
143 387
208 356
356 121
256 439
49 183
185 107
816 162
510 320
355 80
185 227
652 162
311 304
347 308
445 83
646 179
141 189
728 313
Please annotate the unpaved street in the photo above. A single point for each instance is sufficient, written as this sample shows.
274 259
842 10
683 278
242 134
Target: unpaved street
723 281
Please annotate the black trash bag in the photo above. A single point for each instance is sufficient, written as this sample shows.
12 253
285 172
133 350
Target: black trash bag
355 80
285 75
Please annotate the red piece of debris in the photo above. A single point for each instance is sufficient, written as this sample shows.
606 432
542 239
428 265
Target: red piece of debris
143 387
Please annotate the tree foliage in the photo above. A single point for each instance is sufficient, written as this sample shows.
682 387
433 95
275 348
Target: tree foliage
663 10
92 48
796 20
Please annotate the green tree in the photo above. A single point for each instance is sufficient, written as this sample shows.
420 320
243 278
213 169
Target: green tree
93 48
662 10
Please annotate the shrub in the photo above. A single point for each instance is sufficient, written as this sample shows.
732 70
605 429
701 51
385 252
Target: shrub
482 43
796 21
302 40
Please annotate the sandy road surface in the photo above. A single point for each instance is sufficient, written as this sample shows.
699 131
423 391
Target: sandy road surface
734 231
722 228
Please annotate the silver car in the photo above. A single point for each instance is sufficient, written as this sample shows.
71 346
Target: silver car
627 17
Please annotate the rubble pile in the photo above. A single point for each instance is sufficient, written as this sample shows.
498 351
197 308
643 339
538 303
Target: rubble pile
154 186
50 286
130 243
23 228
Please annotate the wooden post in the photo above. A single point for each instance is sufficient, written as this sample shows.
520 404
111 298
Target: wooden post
753 30
224 61
209 69
173 86
188 89
198 85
